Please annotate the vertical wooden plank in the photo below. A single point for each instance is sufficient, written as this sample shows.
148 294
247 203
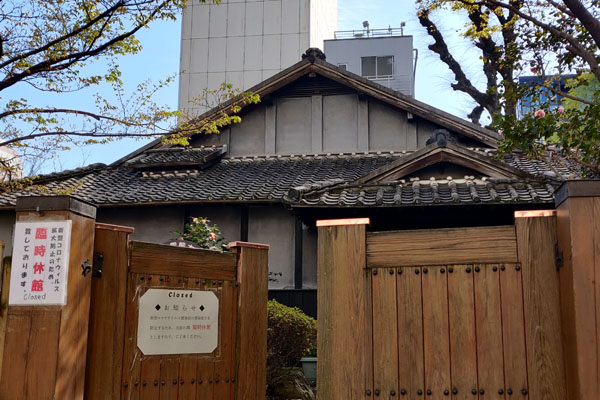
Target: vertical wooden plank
74 321
463 345
536 238
150 365
205 366
251 347
411 374
341 303
367 348
435 332
385 333
107 314
187 362
488 325
513 329
169 375
44 334
5 276
12 384
596 234
222 364
131 354
205 370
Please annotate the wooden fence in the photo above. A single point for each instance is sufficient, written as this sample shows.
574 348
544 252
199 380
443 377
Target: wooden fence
91 347
451 313
117 367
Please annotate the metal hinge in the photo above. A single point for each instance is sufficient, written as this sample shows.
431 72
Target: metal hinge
558 257
97 265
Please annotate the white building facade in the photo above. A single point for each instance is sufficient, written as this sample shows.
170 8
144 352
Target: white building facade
385 56
244 42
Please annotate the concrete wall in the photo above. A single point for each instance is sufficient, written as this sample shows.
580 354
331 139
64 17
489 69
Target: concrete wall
321 124
244 42
350 51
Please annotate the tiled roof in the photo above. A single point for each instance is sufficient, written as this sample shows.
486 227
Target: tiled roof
319 180
423 192
229 180
176 156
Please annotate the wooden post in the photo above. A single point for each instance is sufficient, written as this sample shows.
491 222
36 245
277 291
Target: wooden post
45 346
344 366
578 221
4 281
107 313
251 347
536 240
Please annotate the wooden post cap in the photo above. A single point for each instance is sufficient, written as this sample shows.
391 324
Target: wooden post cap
345 221
56 203
578 188
247 244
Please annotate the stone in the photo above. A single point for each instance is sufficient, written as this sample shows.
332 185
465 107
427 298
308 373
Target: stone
291 385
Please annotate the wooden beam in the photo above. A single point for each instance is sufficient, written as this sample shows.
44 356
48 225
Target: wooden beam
536 240
251 347
578 223
344 350
442 246
107 313
46 346
212 265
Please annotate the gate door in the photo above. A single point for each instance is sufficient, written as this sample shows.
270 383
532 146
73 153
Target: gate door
176 323
449 330
463 313
172 376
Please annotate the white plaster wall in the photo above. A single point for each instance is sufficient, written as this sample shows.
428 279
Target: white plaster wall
245 42
274 225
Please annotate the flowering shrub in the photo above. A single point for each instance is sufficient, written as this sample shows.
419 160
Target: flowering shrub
201 233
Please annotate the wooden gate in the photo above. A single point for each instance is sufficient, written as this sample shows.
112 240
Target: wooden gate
468 313
117 368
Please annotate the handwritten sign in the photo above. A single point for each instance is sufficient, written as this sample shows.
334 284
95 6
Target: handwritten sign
178 322
40 263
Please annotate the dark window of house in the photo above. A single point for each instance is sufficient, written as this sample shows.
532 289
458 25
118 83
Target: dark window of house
369 66
377 67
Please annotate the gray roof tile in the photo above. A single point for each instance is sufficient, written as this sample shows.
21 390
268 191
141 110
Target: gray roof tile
316 180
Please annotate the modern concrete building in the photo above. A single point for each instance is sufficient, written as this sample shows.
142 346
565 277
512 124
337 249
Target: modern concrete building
385 56
244 42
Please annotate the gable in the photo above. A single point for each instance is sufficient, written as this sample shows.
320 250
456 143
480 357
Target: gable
442 158
316 108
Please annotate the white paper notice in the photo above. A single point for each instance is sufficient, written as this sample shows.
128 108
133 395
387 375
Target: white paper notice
40 263
178 322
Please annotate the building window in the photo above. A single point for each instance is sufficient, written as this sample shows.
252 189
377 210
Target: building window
377 67
343 67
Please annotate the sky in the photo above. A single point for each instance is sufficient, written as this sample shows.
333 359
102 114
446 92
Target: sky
160 58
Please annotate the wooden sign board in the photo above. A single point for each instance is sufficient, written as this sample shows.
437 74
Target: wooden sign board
40 263
178 322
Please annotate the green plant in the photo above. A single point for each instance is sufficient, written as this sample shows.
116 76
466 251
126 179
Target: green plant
201 233
291 334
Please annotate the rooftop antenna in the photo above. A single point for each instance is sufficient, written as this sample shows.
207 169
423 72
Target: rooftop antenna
366 26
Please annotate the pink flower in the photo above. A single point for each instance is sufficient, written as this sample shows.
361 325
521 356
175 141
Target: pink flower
195 220
212 236
500 132
560 110
540 113
533 71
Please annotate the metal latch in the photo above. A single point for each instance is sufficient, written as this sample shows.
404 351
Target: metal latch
558 257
